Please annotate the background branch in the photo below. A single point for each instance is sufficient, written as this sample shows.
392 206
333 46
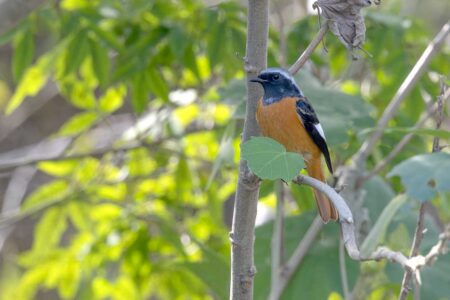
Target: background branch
418 235
402 92
348 231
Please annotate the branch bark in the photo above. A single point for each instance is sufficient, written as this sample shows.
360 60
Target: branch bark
242 234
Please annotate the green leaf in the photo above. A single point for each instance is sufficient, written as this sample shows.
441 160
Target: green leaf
215 46
112 99
49 230
314 278
424 175
76 52
378 195
215 278
78 123
269 160
226 152
100 61
157 84
54 190
378 232
178 41
58 168
139 93
33 80
23 54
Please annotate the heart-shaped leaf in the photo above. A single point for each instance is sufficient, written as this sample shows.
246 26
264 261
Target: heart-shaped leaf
269 160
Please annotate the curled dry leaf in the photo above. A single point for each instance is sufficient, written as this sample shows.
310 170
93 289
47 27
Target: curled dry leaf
345 20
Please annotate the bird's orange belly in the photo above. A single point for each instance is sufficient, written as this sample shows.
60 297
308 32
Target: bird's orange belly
281 122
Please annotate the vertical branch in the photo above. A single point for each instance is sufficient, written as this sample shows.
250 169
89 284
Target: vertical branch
278 237
418 235
343 269
242 234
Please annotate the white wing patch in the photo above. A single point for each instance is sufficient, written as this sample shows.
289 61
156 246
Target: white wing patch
320 130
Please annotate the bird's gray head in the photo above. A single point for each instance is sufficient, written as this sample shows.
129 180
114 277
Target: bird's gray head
277 84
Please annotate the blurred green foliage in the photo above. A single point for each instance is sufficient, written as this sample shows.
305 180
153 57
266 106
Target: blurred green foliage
148 222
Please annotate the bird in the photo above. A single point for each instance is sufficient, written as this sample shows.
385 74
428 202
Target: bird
285 115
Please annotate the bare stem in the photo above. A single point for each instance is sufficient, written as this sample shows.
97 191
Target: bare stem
418 236
343 269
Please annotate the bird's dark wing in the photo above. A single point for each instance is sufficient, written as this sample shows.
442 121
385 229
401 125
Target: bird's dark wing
313 127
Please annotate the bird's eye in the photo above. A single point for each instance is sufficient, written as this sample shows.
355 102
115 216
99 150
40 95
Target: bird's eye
276 77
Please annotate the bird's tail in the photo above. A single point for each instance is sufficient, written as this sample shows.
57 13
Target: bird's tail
326 209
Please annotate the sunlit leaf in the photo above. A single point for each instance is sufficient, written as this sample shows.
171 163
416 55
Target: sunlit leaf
54 190
58 168
269 159
78 123
112 99
49 230
32 81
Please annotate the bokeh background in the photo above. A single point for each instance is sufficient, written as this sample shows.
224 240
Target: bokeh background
119 145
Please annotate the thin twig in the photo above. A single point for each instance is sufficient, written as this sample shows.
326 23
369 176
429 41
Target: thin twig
278 237
98 152
348 231
407 85
309 50
418 236
403 142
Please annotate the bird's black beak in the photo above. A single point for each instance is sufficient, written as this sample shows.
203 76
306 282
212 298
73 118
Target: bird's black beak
258 80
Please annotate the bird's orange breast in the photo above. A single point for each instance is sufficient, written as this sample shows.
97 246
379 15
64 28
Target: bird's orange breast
281 122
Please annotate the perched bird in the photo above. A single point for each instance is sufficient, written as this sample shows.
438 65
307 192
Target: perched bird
285 115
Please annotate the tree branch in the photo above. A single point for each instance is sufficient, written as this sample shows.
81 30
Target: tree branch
407 85
243 227
309 50
348 232
418 235
403 142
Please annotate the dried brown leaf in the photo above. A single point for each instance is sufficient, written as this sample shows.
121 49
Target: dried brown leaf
345 20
